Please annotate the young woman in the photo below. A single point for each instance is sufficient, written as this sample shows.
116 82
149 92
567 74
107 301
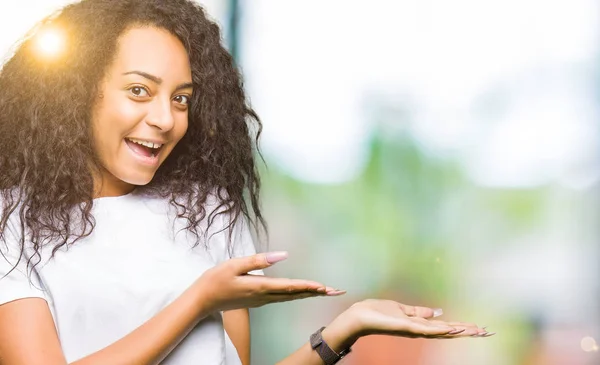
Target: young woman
129 189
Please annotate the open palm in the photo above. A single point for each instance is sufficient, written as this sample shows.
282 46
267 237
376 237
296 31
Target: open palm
392 318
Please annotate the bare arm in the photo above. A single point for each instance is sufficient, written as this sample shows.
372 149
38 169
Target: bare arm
337 337
27 324
28 335
382 317
237 325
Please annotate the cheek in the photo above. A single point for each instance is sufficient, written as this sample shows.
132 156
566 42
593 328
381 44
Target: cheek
117 115
181 128
123 115
112 121
178 132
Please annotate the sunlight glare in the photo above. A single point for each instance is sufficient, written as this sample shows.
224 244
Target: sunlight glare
50 42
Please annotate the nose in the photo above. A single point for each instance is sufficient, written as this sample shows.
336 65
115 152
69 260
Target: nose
160 115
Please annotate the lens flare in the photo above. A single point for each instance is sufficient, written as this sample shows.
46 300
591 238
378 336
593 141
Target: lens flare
50 42
588 344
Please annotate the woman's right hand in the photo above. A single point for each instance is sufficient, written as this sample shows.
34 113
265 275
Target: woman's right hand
229 286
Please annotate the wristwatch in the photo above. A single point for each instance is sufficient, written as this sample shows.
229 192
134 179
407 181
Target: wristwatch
329 356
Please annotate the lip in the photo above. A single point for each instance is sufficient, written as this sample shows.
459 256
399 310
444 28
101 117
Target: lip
155 141
145 160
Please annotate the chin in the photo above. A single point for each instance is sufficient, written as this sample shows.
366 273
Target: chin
137 179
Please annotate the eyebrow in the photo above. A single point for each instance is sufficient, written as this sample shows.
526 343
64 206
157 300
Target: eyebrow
158 80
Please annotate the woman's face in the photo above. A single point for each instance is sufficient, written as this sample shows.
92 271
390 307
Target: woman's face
142 109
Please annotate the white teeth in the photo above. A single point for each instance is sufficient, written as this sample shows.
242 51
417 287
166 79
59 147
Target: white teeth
145 143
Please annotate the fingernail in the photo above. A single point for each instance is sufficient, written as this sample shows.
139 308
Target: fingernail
489 334
336 292
437 312
273 257
331 290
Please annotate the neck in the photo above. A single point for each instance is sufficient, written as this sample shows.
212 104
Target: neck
107 185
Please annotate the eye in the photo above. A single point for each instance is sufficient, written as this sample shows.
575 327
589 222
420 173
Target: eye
182 99
139 91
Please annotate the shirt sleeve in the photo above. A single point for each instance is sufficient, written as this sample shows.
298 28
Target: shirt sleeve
17 280
242 242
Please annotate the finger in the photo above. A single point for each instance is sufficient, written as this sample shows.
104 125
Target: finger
287 297
483 332
280 298
463 335
423 312
419 327
469 328
454 323
335 292
243 265
466 331
290 286
426 330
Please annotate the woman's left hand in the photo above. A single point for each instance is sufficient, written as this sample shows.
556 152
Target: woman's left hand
383 317
388 317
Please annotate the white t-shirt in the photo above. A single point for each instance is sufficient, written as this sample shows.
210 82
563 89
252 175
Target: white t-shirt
138 259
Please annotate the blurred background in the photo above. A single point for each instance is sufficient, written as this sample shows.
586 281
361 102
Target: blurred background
440 153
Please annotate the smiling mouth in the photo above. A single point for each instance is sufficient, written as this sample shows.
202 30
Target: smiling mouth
143 148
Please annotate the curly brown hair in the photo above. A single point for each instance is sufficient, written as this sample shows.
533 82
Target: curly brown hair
46 151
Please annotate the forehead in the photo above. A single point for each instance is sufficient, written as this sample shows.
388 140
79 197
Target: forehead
152 50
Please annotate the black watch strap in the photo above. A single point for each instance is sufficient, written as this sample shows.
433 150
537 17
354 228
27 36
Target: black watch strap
329 356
